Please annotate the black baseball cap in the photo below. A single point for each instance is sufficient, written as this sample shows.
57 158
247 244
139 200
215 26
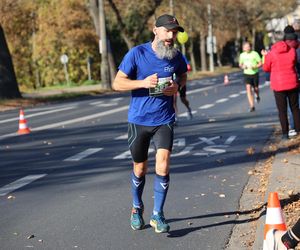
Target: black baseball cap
169 22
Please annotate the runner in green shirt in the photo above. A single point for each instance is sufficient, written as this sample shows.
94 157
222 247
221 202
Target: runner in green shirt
250 61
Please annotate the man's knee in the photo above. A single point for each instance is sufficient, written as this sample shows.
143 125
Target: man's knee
140 168
162 162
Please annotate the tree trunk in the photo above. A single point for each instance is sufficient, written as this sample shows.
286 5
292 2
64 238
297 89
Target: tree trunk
203 52
253 37
191 52
237 46
105 74
9 88
129 37
94 12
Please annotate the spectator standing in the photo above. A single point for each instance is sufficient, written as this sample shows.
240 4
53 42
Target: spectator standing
281 63
283 240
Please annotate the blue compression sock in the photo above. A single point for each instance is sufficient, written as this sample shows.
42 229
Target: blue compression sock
161 186
137 188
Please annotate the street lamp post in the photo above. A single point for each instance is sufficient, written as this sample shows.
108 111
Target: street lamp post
210 40
103 43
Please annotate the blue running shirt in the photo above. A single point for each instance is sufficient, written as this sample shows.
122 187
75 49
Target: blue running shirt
139 63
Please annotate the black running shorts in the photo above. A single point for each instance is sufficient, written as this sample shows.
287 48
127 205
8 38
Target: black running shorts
139 138
252 79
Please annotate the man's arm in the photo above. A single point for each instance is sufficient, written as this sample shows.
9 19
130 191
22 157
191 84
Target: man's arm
123 83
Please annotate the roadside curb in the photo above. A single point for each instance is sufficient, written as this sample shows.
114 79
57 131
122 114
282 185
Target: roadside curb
277 172
79 89
285 180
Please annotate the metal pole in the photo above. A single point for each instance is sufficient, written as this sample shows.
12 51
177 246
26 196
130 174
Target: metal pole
89 70
104 56
171 3
66 73
210 39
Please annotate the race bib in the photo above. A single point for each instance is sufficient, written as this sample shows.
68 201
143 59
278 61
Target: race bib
162 83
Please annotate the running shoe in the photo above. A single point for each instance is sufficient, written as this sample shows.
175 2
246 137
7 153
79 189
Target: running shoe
257 99
273 240
292 133
158 222
136 218
252 109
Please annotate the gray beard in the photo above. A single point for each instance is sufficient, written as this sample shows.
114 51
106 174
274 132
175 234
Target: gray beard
165 52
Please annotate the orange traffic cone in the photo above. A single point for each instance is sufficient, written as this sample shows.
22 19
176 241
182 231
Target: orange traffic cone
226 79
23 129
274 218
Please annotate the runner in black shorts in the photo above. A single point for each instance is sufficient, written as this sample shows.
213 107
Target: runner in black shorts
139 138
253 80
250 61
148 71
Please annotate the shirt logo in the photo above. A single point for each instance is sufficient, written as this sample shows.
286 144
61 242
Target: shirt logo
169 69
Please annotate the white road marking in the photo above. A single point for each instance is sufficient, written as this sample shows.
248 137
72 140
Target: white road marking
185 114
19 183
109 104
222 100
255 125
96 103
230 139
234 95
122 137
83 154
200 90
63 123
206 106
37 114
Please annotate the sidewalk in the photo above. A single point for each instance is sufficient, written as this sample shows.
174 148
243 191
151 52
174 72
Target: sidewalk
285 180
278 171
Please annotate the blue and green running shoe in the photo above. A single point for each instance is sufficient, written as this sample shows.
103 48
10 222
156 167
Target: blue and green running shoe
136 218
158 222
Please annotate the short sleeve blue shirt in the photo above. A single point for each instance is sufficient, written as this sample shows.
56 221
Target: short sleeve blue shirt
139 63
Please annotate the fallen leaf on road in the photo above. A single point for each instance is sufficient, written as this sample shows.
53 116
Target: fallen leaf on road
250 151
30 236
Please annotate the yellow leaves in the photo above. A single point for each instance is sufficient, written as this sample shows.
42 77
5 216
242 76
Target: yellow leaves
38 32
250 150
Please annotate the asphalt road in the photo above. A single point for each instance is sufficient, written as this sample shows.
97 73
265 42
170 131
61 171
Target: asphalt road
66 184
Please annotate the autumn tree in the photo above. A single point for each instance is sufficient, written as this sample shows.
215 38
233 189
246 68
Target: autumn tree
67 30
8 82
